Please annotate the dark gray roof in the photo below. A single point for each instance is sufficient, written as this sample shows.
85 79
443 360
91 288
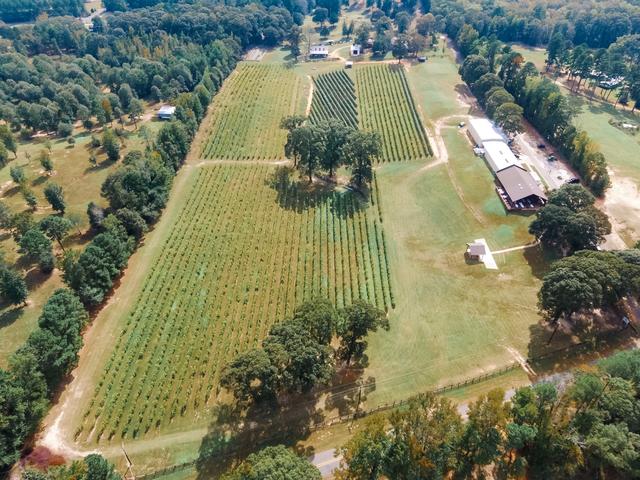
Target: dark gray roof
519 184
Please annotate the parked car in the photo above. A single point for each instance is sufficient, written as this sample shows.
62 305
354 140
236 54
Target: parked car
461 124
573 180
422 59
542 146
552 158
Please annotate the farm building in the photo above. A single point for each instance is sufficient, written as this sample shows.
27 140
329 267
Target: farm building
475 251
356 50
166 112
348 64
498 155
519 190
483 130
319 51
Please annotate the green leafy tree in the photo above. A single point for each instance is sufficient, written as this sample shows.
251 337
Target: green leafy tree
13 287
8 139
55 196
251 376
56 228
136 109
365 454
18 175
509 117
319 317
111 145
274 463
360 150
34 243
357 320
46 162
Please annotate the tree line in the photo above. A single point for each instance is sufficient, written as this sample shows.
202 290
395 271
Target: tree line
615 69
136 192
518 89
589 429
55 72
597 24
14 11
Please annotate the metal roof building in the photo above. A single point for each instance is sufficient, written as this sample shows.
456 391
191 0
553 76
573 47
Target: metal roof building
318 51
166 112
521 188
483 130
498 155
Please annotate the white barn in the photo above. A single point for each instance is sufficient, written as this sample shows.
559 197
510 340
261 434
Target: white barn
356 50
498 155
483 130
319 51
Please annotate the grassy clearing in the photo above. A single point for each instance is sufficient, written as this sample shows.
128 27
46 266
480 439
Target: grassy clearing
245 249
334 97
81 184
452 320
386 106
245 123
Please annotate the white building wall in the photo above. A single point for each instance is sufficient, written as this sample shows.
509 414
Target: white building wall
483 130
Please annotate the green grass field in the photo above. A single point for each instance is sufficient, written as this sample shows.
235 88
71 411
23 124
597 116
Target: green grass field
452 320
245 123
247 247
386 106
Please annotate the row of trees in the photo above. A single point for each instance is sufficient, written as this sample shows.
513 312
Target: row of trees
91 467
329 145
596 24
297 355
614 69
14 11
539 99
136 55
589 430
137 192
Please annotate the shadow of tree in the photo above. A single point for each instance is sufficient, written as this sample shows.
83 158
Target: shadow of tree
238 431
10 315
296 194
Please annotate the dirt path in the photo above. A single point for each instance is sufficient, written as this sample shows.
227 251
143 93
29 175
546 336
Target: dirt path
307 110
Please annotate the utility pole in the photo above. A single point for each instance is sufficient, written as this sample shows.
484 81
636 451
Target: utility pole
128 475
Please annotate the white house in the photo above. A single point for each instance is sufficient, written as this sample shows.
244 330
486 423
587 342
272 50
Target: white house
319 51
356 50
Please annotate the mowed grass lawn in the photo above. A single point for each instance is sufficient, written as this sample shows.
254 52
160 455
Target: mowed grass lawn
452 320
81 184
246 248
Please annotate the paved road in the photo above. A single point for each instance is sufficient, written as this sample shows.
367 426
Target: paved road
326 462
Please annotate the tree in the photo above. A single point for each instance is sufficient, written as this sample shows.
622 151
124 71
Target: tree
45 161
364 455
9 141
400 48
29 197
291 124
495 98
466 40
56 228
319 317
359 151
34 243
423 439
251 376
403 21
335 139
425 24
132 222
308 146
111 145
136 109
473 67
485 84
294 38
172 143
65 129
18 175
274 463
357 320
302 361
54 195
13 287
509 117
125 95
